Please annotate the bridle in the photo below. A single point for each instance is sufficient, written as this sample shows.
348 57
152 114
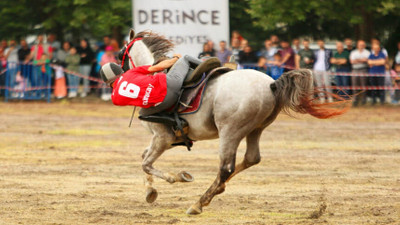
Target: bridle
125 52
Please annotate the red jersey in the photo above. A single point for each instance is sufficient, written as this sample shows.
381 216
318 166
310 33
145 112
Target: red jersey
139 87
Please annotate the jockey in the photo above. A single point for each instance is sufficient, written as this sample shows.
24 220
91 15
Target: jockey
148 86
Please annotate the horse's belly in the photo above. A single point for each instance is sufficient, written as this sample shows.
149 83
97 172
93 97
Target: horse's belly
201 123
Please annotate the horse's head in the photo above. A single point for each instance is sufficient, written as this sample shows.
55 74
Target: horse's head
144 48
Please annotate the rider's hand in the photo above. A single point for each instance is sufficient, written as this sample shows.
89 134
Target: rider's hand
177 55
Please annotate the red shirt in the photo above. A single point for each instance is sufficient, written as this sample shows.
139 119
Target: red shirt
40 51
290 61
139 87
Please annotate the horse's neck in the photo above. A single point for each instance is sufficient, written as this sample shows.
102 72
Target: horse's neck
141 55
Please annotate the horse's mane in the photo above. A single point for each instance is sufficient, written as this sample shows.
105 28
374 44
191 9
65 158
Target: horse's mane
157 44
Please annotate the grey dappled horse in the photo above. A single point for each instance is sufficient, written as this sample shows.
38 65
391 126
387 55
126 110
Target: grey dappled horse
239 104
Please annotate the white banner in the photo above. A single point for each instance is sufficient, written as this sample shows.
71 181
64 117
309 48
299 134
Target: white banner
188 23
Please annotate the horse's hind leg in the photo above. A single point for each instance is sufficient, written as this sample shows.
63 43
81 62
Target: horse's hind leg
252 155
226 168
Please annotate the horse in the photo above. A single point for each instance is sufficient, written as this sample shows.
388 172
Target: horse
236 105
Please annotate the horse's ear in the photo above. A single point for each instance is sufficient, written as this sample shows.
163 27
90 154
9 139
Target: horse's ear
131 34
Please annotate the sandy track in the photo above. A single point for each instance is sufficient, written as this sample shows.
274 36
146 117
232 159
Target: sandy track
64 163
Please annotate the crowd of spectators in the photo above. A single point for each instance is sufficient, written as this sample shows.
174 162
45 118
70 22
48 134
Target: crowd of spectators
361 71
333 69
68 59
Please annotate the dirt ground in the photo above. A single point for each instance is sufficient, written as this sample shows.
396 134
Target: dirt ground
79 163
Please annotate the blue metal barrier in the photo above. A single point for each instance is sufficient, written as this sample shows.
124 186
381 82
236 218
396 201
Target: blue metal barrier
28 82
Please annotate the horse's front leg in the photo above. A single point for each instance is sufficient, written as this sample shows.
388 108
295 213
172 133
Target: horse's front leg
151 193
161 141
159 144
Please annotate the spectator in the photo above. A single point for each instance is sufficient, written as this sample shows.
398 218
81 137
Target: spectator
37 52
359 63
384 51
377 62
396 76
288 55
72 60
341 61
23 54
4 44
235 49
206 51
236 35
107 57
24 51
275 41
3 66
114 44
349 45
296 45
266 55
268 51
52 41
106 42
87 56
321 67
211 46
62 53
274 68
39 49
305 57
243 44
60 89
247 56
223 54
44 75
11 53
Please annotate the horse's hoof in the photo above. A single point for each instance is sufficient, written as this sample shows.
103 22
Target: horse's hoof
151 195
193 210
184 176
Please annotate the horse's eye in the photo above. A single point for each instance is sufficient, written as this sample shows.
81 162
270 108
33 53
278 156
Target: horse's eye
121 53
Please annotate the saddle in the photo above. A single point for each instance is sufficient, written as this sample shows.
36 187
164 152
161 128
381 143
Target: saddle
192 89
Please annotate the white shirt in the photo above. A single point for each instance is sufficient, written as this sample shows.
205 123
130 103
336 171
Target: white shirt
320 61
13 56
357 54
397 58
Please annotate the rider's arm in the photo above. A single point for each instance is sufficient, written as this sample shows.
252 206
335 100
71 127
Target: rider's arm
164 64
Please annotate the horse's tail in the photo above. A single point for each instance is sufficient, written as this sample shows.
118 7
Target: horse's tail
295 90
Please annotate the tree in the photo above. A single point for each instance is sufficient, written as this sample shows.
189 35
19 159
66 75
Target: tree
83 18
334 19
242 21
15 17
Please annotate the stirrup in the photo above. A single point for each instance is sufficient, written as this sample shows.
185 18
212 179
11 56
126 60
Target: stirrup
180 126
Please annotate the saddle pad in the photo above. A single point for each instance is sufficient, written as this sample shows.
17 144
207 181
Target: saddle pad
191 98
196 102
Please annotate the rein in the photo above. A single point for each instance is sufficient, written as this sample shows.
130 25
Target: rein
126 53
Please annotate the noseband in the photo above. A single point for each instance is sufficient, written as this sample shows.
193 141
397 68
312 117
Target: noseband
125 51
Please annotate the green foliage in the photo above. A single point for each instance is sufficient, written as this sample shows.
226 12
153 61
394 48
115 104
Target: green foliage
82 17
333 18
255 19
